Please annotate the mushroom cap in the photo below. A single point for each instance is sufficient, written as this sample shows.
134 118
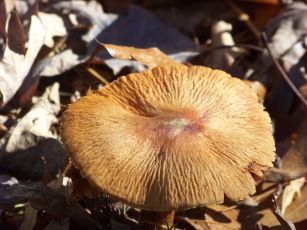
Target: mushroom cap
171 138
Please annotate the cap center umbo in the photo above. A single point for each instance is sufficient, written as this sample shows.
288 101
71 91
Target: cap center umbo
174 126
170 125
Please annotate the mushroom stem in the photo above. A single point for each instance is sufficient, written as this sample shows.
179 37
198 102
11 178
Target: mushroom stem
157 220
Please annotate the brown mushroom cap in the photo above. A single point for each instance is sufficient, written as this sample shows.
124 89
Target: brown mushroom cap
171 138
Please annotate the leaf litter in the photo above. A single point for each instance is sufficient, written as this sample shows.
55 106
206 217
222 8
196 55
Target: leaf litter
52 52
16 63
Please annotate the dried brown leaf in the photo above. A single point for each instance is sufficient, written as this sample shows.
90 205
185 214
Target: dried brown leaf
224 220
16 35
196 224
2 27
152 57
295 213
223 217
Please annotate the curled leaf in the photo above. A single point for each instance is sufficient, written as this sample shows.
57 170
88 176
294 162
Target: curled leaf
290 191
152 57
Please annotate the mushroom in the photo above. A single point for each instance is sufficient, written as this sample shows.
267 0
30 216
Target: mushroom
170 138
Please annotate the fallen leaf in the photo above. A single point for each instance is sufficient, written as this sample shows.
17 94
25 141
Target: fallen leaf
89 14
290 24
9 5
196 224
286 224
152 57
224 217
294 188
27 164
36 124
31 140
282 102
2 28
53 25
15 66
295 213
50 200
29 221
25 10
151 31
16 35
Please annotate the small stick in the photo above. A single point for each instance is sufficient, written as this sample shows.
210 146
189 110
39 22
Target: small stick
245 18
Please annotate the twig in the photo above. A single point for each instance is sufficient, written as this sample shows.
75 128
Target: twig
246 46
244 17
